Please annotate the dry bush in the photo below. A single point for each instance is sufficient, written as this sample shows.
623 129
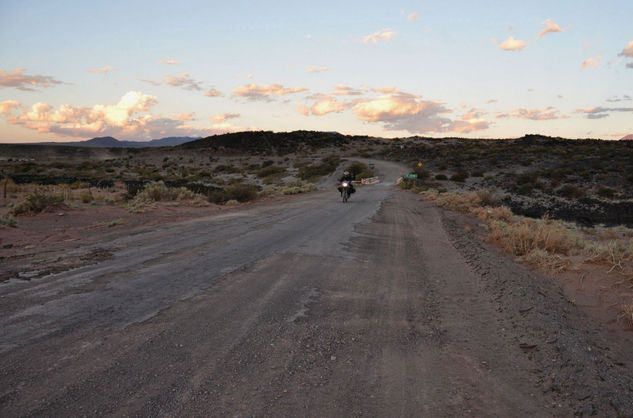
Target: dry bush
488 214
613 252
464 203
522 237
626 313
35 203
543 259
296 187
159 192
8 221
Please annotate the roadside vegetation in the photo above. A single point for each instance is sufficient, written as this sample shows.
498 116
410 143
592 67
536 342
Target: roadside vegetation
547 243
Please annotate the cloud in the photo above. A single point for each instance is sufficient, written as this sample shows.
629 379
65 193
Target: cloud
183 80
600 112
381 35
249 76
342 90
7 107
413 16
547 113
183 116
624 98
169 61
103 70
627 51
489 101
131 117
405 111
629 65
512 44
550 27
590 63
212 93
265 92
222 117
315 69
322 106
21 81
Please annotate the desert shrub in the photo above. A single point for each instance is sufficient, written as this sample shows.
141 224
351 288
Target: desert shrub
35 203
327 165
488 214
441 177
267 163
464 203
8 221
477 173
159 191
270 170
626 313
360 170
297 187
605 192
525 189
86 197
239 192
612 252
459 176
571 191
522 237
422 173
487 198
229 169
543 259
529 177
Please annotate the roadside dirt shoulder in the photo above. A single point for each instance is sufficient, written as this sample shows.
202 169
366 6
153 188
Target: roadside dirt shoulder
586 368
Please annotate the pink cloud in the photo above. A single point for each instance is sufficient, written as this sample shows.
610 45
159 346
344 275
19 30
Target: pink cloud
212 93
24 82
512 44
7 107
315 69
222 117
183 116
413 16
547 113
254 92
169 61
550 27
103 70
590 63
322 106
627 51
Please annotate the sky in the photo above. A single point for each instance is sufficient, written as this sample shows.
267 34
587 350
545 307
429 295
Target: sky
140 70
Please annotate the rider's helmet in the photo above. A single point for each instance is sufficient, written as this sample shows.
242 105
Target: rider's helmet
346 173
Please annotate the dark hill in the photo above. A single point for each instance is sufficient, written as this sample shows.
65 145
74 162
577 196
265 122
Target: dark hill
110 142
267 142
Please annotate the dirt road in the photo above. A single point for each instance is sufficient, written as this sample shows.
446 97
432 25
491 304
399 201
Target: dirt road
381 307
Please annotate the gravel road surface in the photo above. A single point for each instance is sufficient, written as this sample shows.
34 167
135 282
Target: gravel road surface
384 306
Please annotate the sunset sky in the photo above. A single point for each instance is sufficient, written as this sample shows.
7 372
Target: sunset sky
139 70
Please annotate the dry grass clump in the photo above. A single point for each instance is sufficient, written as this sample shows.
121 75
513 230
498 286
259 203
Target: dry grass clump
159 192
543 259
626 314
464 203
489 214
525 235
35 203
8 221
613 252
296 187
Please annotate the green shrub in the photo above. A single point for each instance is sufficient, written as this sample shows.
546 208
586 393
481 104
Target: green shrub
35 203
328 165
239 192
525 189
441 177
477 173
8 221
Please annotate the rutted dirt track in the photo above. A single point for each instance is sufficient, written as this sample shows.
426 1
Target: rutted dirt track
381 307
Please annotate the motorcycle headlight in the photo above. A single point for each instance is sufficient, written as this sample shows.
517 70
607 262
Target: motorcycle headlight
344 184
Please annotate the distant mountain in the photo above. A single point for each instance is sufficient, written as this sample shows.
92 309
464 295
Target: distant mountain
627 138
110 142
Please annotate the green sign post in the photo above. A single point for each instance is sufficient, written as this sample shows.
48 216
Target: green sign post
411 176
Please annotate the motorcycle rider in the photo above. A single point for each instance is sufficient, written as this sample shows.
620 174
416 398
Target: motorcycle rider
348 178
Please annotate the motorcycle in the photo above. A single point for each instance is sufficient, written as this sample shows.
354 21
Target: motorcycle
345 192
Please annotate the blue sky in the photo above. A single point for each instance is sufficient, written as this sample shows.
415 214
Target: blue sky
140 70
